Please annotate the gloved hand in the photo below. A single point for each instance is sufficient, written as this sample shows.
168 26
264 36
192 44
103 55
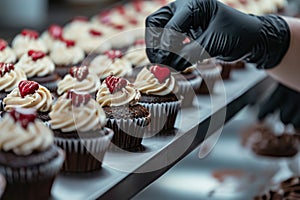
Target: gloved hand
223 31
287 101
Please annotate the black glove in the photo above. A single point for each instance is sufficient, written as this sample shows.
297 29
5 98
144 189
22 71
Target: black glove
223 32
287 101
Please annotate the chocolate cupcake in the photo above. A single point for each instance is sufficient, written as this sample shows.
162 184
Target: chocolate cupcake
30 94
125 116
27 40
28 158
111 62
158 94
210 73
52 34
65 54
39 68
9 79
187 80
7 55
136 54
78 124
79 79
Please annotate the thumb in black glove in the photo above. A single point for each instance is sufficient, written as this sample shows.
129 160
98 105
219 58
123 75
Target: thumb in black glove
287 102
223 32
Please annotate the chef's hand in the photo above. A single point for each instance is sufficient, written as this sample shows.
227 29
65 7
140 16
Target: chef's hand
223 32
287 101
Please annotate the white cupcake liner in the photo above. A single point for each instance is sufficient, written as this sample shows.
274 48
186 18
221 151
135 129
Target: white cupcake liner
163 117
33 173
128 133
84 154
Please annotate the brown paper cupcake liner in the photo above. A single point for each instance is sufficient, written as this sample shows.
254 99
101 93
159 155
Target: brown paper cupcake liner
84 155
128 133
32 182
210 77
163 117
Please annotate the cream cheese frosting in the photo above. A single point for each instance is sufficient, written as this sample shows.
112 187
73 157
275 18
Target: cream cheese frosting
10 80
63 55
7 55
24 141
103 66
146 83
41 100
126 96
40 67
67 118
137 55
90 84
21 44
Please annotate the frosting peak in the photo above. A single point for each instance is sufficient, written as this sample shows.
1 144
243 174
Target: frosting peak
125 93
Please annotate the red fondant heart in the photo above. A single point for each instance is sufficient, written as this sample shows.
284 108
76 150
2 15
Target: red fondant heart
115 84
27 87
30 33
80 73
23 116
161 73
35 55
78 98
95 32
3 44
5 68
55 31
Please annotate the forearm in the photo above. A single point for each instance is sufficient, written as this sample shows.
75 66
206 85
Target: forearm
288 71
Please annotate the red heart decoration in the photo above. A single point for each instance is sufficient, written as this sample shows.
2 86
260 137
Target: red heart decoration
80 73
139 42
244 2
30 33
121 10
95 32
69 43
104 17
27 87
5 68
78 98
114 54
23 115
161 73
3 44
55 31
138 5
35 55
115 84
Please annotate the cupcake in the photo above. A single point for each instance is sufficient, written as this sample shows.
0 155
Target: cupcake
7 55
187 80
79 79
226 70
158 94
210 73
9 78
78 124
28 159
39 68
52 34
30 94
65 54
27 40
89 37
111 62
136 54
125 116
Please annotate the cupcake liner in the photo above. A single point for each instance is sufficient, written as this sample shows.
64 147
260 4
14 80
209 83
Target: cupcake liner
128 133
32 182
84 155
186 89
210 77
163 117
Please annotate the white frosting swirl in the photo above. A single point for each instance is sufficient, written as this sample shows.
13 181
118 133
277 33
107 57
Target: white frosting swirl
40 67
10 80
76 29
128 95
48 40
137 56
146 83
90 84
41 100
103 66
7 55
63 55
13 137
67 118
21 44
